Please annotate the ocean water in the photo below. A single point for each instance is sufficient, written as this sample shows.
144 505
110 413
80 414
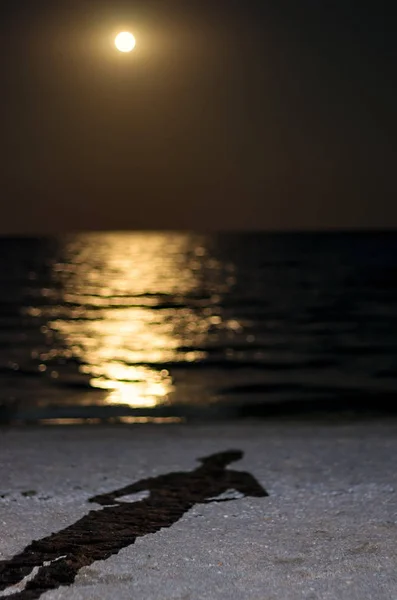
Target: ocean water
141 327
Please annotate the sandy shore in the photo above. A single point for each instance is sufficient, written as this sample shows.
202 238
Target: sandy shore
327 530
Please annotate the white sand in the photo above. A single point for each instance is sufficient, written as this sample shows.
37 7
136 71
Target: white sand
328 530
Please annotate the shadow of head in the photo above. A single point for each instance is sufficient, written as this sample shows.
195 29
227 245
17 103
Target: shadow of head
221 459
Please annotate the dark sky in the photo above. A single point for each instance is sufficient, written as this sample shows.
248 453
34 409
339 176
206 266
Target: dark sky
230 114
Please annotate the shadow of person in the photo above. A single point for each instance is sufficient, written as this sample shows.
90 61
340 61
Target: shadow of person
58 558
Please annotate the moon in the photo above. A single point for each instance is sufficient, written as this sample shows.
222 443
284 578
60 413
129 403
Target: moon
125 41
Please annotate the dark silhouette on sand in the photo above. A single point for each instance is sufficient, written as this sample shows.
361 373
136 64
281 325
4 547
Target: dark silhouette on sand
101 533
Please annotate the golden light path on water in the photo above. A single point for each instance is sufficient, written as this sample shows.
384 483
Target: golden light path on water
123 312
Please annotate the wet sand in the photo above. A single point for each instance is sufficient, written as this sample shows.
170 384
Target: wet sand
327 529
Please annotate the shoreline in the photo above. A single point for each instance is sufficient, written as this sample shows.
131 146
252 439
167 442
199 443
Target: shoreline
353 407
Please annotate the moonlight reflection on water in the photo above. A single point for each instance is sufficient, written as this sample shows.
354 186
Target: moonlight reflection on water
126 309
160 325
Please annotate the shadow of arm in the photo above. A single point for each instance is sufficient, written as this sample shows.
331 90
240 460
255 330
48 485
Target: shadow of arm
247 485
110 497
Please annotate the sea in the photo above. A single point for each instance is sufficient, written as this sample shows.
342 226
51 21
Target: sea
164 327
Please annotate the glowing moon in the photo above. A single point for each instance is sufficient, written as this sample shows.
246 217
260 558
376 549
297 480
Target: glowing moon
125 41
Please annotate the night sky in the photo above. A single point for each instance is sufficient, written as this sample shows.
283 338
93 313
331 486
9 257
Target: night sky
230 114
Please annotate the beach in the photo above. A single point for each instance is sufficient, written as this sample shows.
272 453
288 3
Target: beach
327 528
